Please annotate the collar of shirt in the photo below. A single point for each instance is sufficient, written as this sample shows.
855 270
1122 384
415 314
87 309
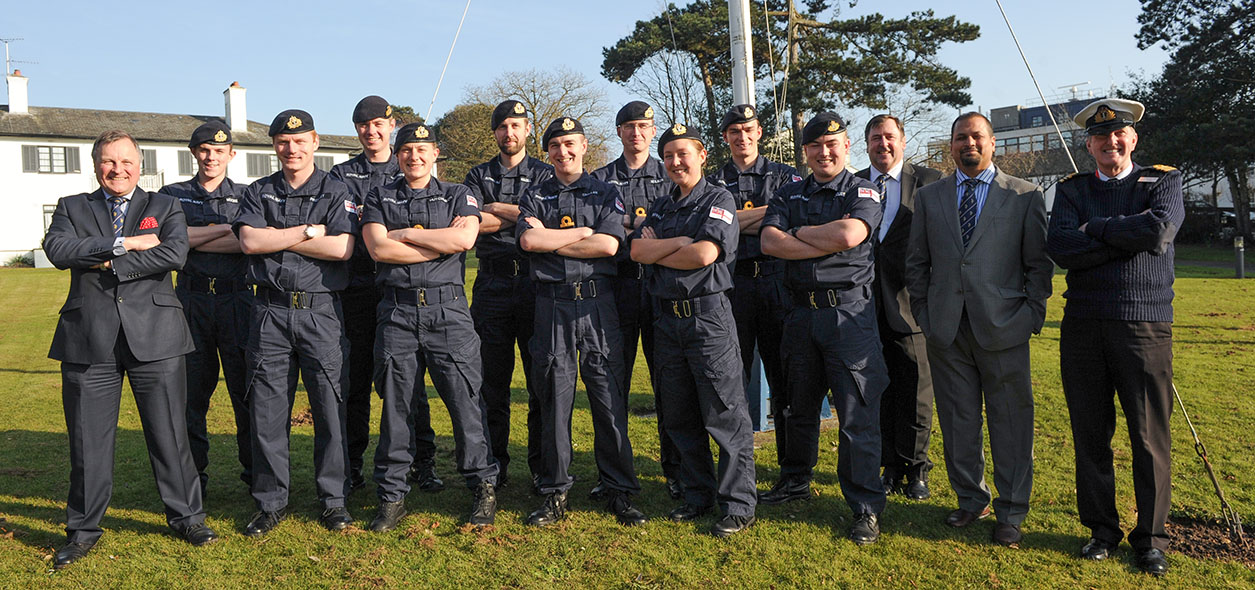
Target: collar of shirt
126 197
894 173
986 176
651 168
813 185
309 189
434 187
221 191
500 171
1121 176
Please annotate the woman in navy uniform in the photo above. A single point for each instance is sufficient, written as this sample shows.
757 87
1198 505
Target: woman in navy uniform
689 241
418 229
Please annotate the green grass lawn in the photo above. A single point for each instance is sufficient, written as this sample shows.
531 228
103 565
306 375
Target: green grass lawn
801 544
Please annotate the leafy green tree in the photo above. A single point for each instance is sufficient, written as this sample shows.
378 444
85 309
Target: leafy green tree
405 115
465 139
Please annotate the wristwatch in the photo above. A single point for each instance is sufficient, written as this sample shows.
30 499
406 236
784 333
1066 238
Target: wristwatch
309 231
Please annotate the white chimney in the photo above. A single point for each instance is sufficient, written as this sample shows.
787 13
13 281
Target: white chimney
237 117
19 104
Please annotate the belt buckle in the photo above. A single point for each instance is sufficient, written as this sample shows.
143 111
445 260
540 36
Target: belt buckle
578 294
832 298
592 288
640 271
212 280
295 302
675 309
422 297
758 272
688 309
516 267
811 295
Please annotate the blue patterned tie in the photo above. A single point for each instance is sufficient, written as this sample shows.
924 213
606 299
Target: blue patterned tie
117 206
967 210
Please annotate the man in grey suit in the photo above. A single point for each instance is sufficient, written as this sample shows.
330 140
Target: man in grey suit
122 317
978 278
906 409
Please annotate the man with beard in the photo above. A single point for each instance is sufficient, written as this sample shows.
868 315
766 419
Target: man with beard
504 301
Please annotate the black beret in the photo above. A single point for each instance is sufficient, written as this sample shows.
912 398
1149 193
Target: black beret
371 107
678 131
414 133
562 126
214 132
741 113
510 109
291 122
634 111
825 123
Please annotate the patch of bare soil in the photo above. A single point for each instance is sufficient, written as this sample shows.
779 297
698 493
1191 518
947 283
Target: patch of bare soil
1209 539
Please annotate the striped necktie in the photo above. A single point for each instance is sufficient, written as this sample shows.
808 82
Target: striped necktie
967 210
117 207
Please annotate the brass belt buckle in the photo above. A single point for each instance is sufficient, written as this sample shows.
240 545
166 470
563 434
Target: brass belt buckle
811 295
516 267
675 309
422 297
212 280
757 270
578 293
296 300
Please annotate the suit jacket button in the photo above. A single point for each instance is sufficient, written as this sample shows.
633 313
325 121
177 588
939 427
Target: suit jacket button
119 300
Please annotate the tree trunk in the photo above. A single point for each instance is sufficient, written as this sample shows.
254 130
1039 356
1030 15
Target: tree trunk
712 118
1241 200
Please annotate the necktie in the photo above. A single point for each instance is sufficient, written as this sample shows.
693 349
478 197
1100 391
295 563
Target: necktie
117 208
880 184
967 210
881 181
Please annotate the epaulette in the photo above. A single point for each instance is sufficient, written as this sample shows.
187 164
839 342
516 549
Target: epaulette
1071 176
1163 168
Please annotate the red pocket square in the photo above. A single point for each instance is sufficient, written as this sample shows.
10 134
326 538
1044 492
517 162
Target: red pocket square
148 223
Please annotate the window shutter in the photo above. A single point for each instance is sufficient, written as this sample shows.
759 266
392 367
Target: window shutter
30 158
324 163
71 160
149 164
185 163
256 164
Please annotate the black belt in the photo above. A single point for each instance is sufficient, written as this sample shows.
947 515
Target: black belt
504 267
294 299
574 291
201 284
687 308
826 298
759 267
424 297
629 269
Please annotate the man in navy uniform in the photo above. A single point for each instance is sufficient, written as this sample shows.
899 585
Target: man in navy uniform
760 302
571 225
640 179
906 410
689 243
121 317
296 226
419 229
823 227
1113 231
375 166
216 299
504 299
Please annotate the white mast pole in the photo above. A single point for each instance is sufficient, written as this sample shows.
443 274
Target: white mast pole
742 54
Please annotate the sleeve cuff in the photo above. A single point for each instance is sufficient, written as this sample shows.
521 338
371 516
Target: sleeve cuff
118 248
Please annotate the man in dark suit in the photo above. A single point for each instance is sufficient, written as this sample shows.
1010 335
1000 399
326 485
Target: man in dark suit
122 318
906 409
978 278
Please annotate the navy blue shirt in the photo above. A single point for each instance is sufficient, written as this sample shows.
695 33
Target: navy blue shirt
396 206
707 213
204 209
361 175
639 188
490 183
270 202
753 188
587 202
810 202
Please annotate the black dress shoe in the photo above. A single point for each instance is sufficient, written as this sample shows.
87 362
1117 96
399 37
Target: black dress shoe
1097 549
484 506
198 534
866 529
389 516
623 510
917 490
356 481
1152 561
686 512
599 492
675 489
553 510
961 518
1007 534
335 519
262 523
730 524
787 489
892 483
424 476
70 553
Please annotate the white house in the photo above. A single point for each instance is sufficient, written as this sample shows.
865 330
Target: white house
45 154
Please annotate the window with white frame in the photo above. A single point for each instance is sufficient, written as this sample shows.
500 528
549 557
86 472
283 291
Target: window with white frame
50 159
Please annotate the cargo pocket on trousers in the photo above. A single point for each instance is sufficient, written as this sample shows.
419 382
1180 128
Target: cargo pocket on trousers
331 366
869 374
723 372
467 363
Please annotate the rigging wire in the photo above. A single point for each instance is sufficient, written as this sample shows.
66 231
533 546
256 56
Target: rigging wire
776 99
446 60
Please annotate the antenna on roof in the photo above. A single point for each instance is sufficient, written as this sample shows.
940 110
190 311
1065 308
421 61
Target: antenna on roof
1074 88
8 63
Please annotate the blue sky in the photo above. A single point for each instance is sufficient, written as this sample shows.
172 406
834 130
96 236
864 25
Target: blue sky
323 56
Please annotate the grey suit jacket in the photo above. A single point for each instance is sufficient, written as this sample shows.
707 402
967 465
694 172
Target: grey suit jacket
1003 276
136 297
892 300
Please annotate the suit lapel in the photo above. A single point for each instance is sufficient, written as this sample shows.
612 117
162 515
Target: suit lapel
100 211
950 209
135 211
906 201
994 201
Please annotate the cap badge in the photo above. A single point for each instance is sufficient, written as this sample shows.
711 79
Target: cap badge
749 113
518 108
220 136
833 126
649 112
388 111
1104 114
568 124
294 122
566 222
421 133
679 129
